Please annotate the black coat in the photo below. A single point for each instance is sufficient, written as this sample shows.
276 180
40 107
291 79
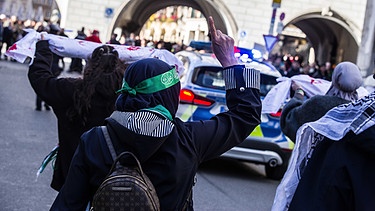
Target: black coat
339 176
58 93
298 112
173 166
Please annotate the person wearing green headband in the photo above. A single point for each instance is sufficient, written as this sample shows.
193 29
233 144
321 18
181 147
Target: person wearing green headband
169 149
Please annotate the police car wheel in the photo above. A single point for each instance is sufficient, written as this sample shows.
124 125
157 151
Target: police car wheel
277 172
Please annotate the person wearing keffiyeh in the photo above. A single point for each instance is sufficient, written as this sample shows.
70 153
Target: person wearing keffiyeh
332 165
169 149
346 79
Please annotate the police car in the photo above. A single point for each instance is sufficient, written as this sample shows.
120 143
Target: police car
203 95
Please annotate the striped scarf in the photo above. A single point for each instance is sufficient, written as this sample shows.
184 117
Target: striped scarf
144 123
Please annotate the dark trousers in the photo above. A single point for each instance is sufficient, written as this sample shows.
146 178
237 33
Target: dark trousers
76 65
39 104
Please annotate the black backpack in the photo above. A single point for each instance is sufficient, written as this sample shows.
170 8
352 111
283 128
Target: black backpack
125 187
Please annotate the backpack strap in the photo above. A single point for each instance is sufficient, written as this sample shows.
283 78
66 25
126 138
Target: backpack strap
109 142
117 158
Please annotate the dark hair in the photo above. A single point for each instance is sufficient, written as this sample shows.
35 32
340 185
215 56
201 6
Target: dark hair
102 75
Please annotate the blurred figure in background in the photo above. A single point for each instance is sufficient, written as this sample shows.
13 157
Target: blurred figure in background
278 63
114 40
94 37
7 36
130 40
76 64
62 32
295 69
323 73
1 34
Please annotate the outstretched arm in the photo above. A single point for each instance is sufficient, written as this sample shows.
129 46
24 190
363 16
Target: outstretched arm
227 129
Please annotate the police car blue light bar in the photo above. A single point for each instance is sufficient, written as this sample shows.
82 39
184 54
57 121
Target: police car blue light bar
244 54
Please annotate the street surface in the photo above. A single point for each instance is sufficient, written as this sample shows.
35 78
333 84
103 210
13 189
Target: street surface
27 136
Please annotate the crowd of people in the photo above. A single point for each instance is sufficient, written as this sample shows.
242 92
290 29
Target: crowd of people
290 66
331 165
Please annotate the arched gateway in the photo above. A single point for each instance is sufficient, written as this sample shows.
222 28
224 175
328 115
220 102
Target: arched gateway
337 30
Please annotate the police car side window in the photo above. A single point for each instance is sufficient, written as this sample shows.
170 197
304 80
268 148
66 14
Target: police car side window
210 77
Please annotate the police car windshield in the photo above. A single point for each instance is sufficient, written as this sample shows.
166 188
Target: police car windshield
212 77
209 77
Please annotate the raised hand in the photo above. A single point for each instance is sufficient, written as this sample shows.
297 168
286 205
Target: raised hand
295 85
222 45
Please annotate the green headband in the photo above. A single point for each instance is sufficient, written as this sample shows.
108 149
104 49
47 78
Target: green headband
152 85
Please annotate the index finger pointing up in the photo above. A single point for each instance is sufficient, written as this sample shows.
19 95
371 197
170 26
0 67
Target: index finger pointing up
212 27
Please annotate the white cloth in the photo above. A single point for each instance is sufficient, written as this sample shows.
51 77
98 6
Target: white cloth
279 94
74 48
356 116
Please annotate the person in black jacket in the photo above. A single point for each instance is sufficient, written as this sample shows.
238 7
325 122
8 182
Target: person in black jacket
78 103
76 64
169 149
332 165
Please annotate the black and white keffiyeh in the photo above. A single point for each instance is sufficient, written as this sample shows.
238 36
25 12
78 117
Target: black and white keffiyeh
144 123
356 116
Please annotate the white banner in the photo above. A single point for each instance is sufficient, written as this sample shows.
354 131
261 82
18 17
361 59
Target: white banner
278 95
66 47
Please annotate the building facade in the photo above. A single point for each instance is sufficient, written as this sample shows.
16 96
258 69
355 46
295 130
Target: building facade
337 30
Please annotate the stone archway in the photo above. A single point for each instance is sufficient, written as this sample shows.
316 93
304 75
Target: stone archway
134 14
331 37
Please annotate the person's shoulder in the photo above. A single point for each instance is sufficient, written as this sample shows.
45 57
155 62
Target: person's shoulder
326 102
320 99
91 138
329 98
94 131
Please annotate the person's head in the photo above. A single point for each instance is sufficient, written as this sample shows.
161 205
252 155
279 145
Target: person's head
346 79
322 68
278 60
54 29
95 32
150 83
296 64
328 65
102 76
306 69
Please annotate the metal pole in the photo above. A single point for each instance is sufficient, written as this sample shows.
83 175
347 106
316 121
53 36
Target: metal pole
272 24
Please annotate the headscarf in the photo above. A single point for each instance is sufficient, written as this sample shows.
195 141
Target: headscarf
346 79
130 100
